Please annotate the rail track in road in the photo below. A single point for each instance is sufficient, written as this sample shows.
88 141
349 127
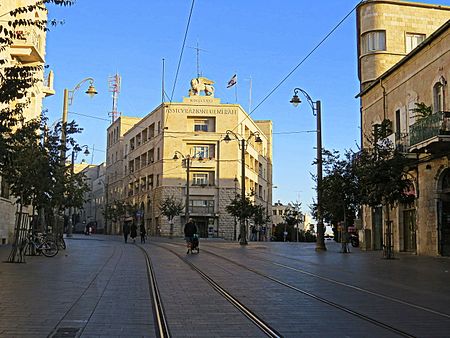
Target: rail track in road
347 309
253 317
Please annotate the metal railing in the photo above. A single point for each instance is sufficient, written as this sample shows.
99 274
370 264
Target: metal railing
428 127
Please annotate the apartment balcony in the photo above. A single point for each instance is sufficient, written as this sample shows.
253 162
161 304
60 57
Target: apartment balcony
431 133
201 210
27 47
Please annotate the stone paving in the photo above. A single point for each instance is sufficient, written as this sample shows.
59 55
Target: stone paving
98 287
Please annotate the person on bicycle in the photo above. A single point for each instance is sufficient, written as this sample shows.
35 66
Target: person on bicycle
189 230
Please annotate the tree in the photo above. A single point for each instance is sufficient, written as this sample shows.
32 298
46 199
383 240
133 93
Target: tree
293 216
16 79
171 207
243 210
340 188
381 172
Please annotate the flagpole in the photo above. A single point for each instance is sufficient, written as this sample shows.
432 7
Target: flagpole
235 90
250 97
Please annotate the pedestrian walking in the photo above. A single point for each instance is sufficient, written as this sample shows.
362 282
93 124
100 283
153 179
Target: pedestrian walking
133 232
143 233
126 231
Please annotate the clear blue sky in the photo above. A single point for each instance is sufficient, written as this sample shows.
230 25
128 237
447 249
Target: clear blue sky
262 40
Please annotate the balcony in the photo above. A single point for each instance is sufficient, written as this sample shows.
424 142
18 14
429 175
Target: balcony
27 47
201 210
430 133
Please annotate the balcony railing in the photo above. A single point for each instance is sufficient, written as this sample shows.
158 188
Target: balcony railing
435 125
201 209
27 47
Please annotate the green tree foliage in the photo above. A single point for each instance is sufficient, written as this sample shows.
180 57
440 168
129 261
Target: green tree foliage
16 79
116 211
241 209
422 110
260 216
171 207
381 172
340 188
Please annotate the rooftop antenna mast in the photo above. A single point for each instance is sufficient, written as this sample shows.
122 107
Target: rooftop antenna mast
114 83
198 58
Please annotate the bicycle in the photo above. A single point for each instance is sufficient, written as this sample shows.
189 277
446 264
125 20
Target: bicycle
41 244
59 239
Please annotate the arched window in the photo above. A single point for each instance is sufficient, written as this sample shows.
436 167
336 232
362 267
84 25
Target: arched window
446 181
438 95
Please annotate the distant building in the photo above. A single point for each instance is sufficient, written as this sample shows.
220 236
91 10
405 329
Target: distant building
404 59
92 211
141 169
28 49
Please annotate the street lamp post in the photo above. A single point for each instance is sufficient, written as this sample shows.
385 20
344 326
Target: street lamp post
243 147
68 99
187 160
316 108
235 195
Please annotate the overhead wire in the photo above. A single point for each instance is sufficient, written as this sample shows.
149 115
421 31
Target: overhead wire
299 64
182 50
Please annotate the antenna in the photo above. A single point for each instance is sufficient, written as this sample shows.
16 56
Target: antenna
114 83
198 58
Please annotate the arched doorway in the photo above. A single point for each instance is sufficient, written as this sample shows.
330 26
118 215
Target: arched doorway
444 215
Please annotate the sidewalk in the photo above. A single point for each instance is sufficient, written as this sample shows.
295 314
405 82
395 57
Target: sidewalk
98 288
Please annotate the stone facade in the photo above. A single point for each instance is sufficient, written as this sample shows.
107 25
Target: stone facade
28 48
421 76
399 21
194 129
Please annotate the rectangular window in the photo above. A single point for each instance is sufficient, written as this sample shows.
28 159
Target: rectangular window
132 144
157 180
151 131
373 41
151 156
413 40
200 125
201 152
150 182
200 179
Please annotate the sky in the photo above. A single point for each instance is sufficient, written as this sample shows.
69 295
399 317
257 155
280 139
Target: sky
261 41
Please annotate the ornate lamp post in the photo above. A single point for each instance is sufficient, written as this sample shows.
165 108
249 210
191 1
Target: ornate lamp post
68 99
316 108
187 160
243 143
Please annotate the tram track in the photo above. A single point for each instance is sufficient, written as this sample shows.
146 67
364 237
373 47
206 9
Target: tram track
343 308
347 285
252 316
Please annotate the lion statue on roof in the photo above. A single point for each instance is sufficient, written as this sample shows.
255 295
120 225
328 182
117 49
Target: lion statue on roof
200 84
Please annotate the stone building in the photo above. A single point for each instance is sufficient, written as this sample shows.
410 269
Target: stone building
95 199
27 49
407 61
145 172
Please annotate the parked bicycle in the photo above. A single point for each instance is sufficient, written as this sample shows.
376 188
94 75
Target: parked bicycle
59 239
40 244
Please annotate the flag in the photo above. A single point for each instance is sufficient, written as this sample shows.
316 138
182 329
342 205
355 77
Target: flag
232 81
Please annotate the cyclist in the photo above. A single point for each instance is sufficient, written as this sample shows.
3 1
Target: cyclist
189 230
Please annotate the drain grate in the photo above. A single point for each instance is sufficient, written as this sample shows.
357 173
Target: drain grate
66 332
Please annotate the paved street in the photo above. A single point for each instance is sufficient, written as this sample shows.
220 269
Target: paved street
99 287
